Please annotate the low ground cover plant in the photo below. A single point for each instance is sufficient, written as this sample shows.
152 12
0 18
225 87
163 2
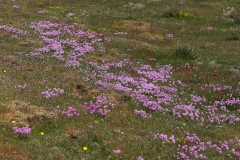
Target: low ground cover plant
104 80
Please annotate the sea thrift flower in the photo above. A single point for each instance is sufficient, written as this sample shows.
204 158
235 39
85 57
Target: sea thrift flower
100 106
172 138
24 130
20 86
16 6
120 33
140 158
169 35
53 92
70 15
142 113
13 30
41 12
70 112
118 151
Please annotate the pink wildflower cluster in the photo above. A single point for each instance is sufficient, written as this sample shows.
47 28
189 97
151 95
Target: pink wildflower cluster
155 89
70 15
122 33
186 110
52 34
193 146
100 106
142 113
169 35
140 88
52 92
140 158
215 88
13 30
23 130
16 6
41 12
21 86
106 66
70 112
165 138
117 151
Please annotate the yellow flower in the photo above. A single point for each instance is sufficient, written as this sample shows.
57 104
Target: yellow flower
13 121
161 148
42 133
184 124
21 122
122 133
96 122
4 70
85 148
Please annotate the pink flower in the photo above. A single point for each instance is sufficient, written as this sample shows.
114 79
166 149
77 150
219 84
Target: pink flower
16 6
172 138
41 12
70 15
140 158
118 151
24 130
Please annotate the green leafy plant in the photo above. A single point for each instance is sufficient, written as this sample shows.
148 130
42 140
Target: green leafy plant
174 12
184 52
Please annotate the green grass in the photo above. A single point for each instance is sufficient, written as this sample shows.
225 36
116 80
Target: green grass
213 47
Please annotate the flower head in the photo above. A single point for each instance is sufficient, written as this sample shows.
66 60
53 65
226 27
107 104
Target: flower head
118 151
70 15
16 6
140 158
85 148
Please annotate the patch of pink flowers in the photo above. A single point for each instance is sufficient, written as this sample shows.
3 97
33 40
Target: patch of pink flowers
16 6
23 130
70 112
52 35
13 30
142 113
41 12
117 151
70 15
52 92
21 86
193 147
100 106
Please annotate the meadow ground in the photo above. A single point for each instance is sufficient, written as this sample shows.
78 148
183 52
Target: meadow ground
100 79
